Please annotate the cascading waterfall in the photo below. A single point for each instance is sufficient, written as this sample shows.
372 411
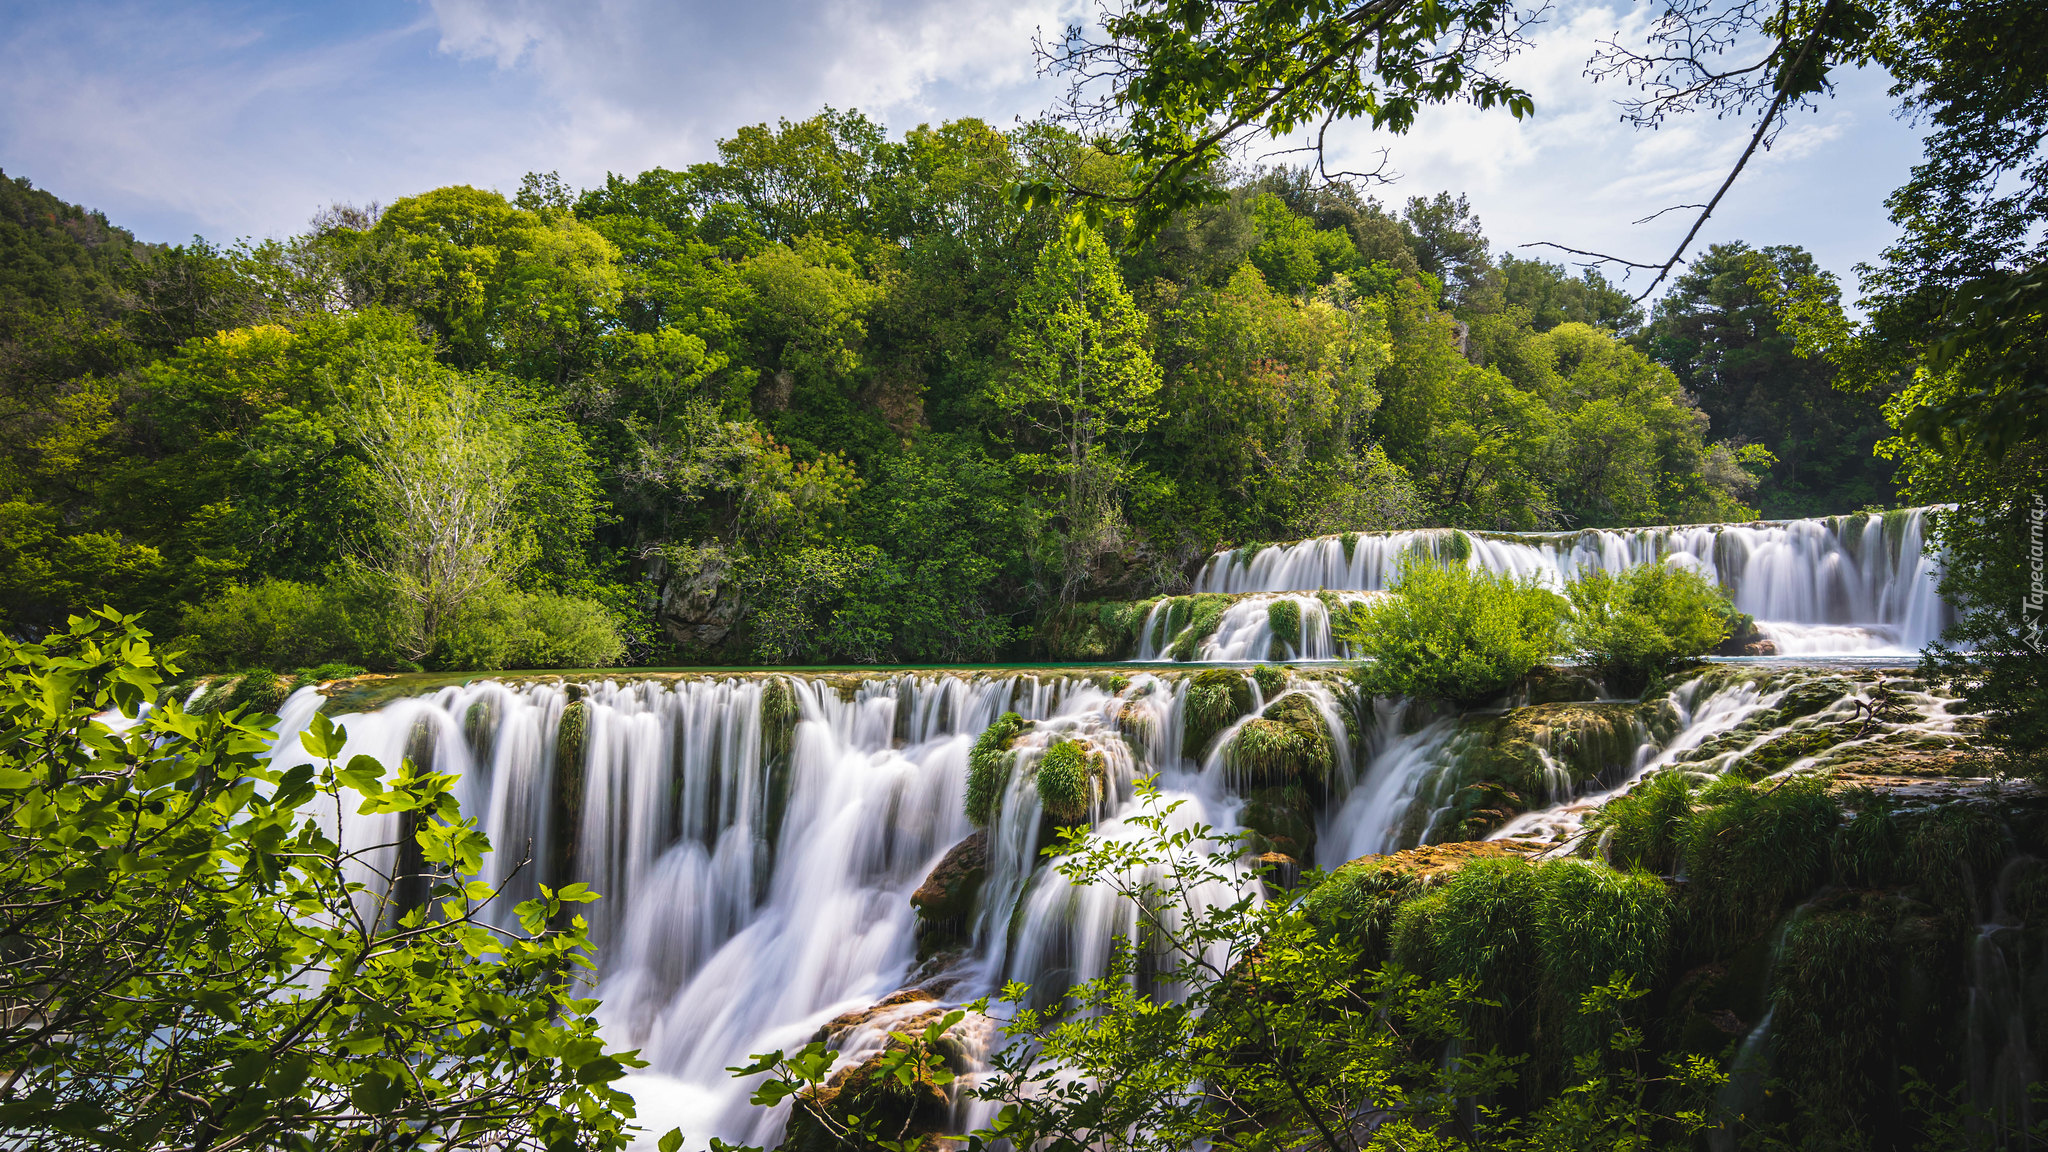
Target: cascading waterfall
1838 585
757 838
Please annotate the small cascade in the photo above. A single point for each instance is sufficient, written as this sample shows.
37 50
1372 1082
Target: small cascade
1838 585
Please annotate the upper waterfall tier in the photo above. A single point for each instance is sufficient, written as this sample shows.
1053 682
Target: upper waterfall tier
1832 585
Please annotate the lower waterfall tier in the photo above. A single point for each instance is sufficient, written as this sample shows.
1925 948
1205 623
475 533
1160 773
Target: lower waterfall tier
782 856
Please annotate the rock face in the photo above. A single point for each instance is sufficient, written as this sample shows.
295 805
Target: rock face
693 615
945 901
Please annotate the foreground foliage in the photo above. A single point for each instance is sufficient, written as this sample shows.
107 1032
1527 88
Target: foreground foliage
1233 1022
209 952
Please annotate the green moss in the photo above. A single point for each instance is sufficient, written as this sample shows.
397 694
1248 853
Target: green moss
1287 744
1454 547
256 689
1216 698
568 815
1283 616
1068 776
1350 542
1282 819
1204 612
1835 1001
1412 939
988 766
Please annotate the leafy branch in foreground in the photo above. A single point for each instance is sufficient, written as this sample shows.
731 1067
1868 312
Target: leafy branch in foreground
210 952
1230 1021
1175 86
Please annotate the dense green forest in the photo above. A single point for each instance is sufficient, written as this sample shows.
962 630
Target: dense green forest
834 396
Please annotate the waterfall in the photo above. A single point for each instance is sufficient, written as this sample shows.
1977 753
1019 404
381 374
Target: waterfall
757 837
1837 585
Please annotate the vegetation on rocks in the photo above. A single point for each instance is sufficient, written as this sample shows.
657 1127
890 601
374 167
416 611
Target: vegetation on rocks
988 766
1216 698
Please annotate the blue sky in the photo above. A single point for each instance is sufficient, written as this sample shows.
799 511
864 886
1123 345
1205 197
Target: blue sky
240 120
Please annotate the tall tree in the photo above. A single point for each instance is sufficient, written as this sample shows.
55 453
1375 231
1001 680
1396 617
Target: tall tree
1719 331
1082 383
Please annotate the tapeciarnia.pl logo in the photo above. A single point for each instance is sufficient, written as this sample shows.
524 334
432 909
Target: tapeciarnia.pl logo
2034 608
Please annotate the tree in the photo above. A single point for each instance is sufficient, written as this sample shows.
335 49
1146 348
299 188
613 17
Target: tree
1718 330
441 457
1173 86
208 950
1081 382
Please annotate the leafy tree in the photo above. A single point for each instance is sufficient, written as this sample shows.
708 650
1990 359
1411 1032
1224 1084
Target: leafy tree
1449 244
1453 632
196 958
503 286
1552 296
1082 382
1172 87
1718 330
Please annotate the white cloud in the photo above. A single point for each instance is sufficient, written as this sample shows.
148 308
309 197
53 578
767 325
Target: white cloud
241 121
1575 175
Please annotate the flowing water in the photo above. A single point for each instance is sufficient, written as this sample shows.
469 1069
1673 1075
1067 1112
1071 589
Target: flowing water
757 837
1838 585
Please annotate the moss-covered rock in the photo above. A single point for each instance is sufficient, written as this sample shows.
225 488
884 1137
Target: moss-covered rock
1281 820
945 901
1093 631
1287 745
914 1113
568 815
1216 697
988 766
1071 777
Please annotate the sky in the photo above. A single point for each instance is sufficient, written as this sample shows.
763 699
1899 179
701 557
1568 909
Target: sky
238 121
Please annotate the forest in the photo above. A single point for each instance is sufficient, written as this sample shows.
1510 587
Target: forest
838 397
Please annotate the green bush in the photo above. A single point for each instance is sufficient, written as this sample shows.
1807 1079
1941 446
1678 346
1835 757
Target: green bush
1637 625
988 765
1454 633
277 624
530 630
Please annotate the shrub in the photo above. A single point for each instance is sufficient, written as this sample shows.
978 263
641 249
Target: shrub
530 630
1637 625
1641 827
988 765
1751 851
1591 923
1453 633
275 624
